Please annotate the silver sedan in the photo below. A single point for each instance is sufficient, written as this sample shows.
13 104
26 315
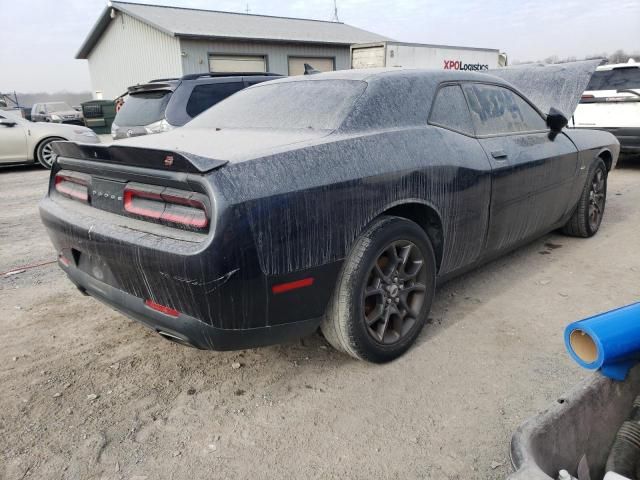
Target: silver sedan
22 141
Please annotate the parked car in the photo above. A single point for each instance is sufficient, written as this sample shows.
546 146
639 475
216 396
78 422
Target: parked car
22 141
612 103
56 112
164 104
335 200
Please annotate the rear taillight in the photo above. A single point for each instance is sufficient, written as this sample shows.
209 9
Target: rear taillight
167 205
587 99
73 185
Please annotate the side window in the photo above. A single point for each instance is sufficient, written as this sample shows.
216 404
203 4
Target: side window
206 96
497 110
616 79
450 110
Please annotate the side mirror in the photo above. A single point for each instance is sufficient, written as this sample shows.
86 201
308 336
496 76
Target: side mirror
7 123
556 121
42 112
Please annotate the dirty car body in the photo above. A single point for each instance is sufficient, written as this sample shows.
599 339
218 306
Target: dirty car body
281 180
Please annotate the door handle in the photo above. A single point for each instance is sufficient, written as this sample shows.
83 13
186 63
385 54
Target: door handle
499 154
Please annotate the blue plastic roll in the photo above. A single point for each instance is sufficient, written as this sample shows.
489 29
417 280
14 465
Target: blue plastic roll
609 341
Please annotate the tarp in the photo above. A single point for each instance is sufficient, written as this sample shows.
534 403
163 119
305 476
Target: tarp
559 86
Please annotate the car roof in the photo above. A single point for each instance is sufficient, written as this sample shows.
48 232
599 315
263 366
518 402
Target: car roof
373 74
227 75
173 83
614 66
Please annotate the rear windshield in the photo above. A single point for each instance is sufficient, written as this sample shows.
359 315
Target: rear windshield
143 109
311 104
616 79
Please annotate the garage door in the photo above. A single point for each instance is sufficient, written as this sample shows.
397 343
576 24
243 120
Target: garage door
296 64
240 63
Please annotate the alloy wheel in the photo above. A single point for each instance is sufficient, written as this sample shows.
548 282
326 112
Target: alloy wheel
47 154
395 292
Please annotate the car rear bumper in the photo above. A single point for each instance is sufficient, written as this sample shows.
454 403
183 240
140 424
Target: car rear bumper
185 329
219 301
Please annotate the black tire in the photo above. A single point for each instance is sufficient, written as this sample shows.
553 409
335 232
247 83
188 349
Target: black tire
380 306
587 217
44 155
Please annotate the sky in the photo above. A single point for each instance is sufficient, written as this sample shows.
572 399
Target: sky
39 38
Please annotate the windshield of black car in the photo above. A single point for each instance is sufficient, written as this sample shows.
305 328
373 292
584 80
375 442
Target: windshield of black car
617 79
143 108
58 107
310 104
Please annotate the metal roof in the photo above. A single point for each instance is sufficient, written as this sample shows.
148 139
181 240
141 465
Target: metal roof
429 45
194 23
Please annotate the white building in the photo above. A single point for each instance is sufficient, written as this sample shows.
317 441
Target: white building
133 43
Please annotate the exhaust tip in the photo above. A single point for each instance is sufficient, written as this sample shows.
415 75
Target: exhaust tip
175 338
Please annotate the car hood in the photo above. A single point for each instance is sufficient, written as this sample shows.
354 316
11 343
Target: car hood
559 86
51 128
229 145
66 112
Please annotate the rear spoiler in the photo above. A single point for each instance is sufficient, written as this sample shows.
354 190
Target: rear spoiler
151 87
171 161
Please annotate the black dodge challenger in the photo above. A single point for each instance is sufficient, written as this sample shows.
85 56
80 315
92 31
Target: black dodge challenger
335 200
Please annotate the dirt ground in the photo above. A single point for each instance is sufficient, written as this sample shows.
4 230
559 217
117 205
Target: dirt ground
88 394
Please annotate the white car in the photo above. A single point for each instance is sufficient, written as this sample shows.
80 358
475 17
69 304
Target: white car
612 103
22 141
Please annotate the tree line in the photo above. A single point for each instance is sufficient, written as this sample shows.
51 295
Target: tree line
28 99
619 56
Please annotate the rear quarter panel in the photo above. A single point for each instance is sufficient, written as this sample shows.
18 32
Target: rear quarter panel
305 208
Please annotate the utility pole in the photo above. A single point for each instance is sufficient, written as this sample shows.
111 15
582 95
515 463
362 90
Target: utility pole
247 10
335 12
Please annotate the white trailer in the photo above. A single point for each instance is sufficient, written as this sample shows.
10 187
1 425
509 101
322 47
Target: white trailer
417 55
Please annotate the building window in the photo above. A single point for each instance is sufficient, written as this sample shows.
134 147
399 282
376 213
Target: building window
237 63
322 64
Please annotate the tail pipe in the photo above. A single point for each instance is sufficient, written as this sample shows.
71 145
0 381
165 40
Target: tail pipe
172 337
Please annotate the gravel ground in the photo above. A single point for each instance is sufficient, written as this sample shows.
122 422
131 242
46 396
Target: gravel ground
87 393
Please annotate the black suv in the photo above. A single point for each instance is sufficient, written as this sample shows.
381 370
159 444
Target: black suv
164 104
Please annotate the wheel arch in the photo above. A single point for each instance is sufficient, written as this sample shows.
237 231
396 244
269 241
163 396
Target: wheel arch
427 217
607 157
